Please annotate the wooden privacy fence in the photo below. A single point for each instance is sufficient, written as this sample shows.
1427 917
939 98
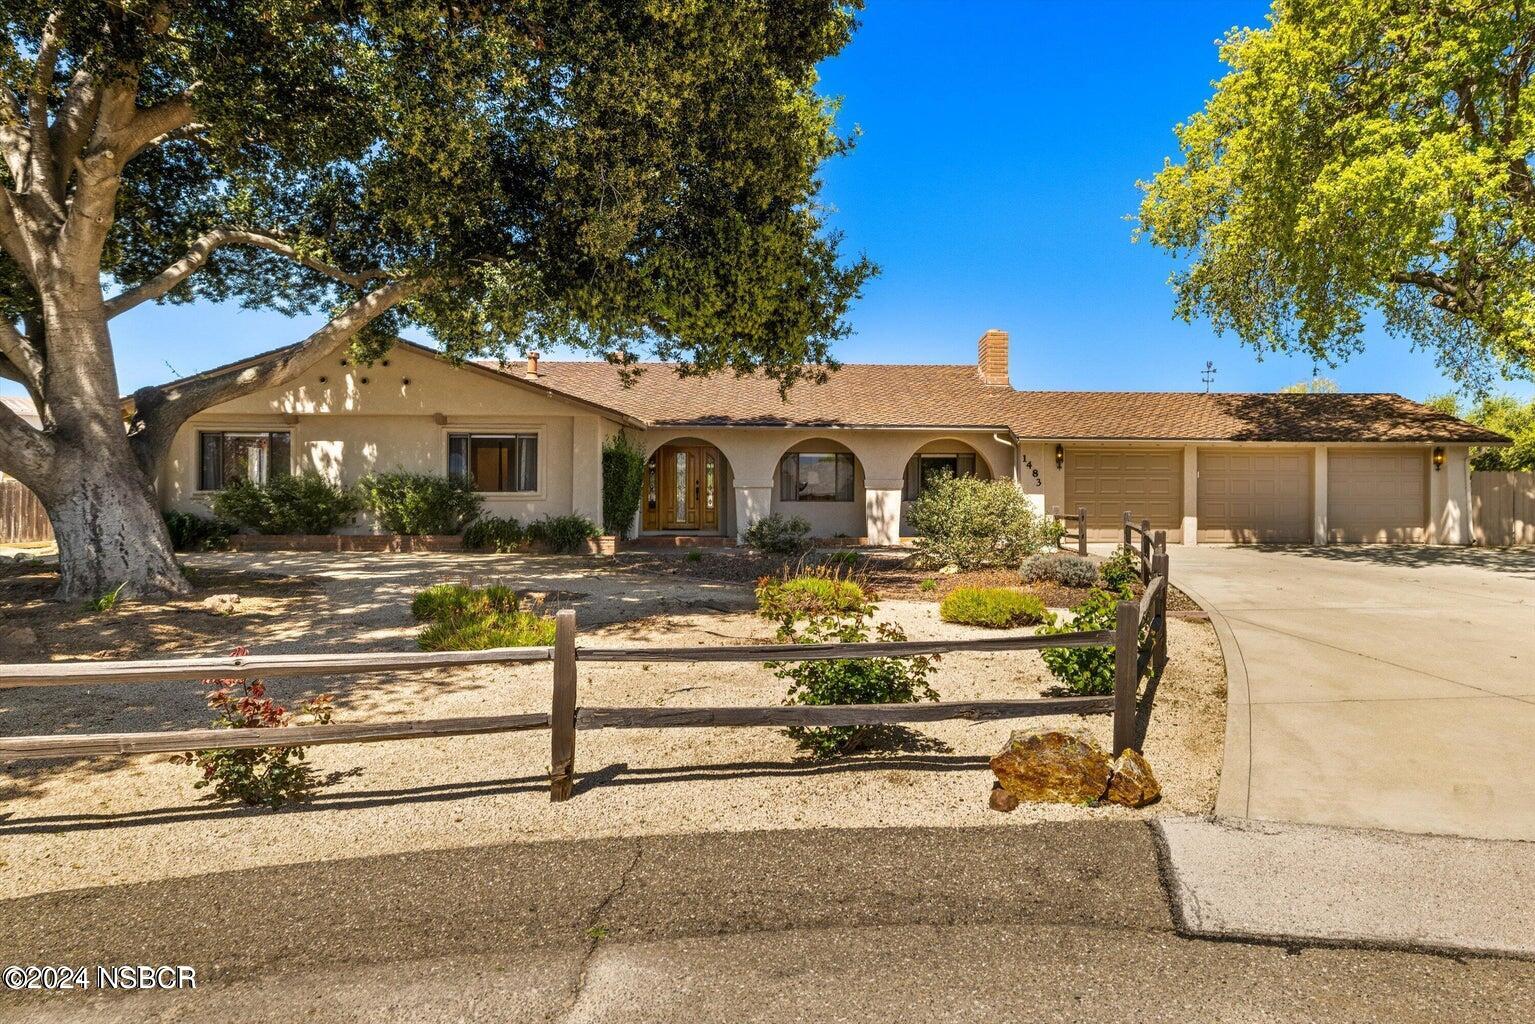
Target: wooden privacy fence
1502 508
23 519
1139 638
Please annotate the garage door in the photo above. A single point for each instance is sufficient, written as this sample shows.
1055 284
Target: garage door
1248 496
1108 482
1377 496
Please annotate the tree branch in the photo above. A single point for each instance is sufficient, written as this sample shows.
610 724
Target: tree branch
14 138
23 356
202 250
44 173
73 126
152 123
160 411
25 451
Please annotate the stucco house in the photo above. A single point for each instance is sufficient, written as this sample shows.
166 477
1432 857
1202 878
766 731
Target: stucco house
850 455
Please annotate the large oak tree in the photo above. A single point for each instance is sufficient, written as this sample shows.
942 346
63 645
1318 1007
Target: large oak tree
615 175
1364 159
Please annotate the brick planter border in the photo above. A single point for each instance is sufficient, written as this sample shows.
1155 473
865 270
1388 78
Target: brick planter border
382 542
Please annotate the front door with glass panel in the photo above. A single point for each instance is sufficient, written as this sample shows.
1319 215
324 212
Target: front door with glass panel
682 489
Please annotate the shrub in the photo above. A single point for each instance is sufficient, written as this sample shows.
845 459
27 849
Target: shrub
467 619
845 558
855 681
299 503
259 776
623 482
1085 671
1121 569
192 532
419 503
1062 568
993 607
977 524
810 594
454 599
778 534
495 534
563 534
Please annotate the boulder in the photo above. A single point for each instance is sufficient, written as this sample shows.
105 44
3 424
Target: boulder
22 638
949 570
1133 784
1054 766
222 604
1002 800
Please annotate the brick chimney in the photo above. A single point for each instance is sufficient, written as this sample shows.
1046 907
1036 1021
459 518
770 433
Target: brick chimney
533 362
991 357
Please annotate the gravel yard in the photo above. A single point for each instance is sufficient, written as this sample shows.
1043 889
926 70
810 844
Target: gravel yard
90 822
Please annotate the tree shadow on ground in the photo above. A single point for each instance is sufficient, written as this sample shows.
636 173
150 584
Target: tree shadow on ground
1507 561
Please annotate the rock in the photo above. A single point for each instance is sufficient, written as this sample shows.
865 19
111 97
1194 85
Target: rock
21 556
1002 800
949 570
1053 766
21 638
222 604
1133 785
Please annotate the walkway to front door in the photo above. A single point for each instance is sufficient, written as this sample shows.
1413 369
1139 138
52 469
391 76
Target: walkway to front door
682 489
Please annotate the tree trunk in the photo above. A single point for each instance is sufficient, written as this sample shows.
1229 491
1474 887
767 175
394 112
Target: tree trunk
108 526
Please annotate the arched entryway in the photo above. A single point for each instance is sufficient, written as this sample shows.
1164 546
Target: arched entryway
687 484
949 456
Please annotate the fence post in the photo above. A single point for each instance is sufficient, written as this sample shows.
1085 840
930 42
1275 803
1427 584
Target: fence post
1146 572
1126 681
1159 643
1081 529
1128 542
562 713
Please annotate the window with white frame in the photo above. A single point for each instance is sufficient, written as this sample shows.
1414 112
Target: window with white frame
504 463
816 476
229 456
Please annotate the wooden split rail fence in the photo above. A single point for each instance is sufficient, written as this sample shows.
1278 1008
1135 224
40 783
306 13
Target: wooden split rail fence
1077 537
1139 640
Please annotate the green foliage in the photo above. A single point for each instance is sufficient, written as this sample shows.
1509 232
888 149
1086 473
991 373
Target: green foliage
778 534
812 593
992 607
1062 568
1121 568
1362 159
498 534
977 524
301 503
419 504
1505 415
563 535
854 681
108 602
927 586
467 619
623 482
1314 386
694 556
1085 671
192 532
259 776
844 558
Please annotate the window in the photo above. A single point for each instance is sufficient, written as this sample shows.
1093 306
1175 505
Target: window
229 456
495 462
923 468
816 476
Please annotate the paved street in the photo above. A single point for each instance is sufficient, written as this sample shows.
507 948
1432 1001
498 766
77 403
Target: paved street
1064 922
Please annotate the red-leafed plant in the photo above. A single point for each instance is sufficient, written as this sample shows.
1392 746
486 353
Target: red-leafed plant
269 776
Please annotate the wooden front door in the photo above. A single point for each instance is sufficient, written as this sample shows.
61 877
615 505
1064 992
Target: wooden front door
682 488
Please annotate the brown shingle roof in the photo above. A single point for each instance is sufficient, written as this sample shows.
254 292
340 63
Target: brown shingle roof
906 395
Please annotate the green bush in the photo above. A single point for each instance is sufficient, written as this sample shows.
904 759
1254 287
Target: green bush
623 483
1062 568
778 534
843 557
301 503
495 534
418 504
811 594
993 607
855 681
1121 568
563 534
1086 671
192 532
467 619
977 524
448 600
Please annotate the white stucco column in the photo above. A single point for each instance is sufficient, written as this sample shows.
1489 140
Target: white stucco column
753 504
882 510
1190 494
586 467
1319 495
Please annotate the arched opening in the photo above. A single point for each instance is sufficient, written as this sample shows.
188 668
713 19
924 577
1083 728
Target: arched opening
821 481
687 488
946 455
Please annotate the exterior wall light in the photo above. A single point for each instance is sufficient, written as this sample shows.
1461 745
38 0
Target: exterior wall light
1438 459
1060 456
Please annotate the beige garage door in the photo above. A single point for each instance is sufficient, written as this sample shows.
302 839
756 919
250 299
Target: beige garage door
1377 495
1109 481
1252 495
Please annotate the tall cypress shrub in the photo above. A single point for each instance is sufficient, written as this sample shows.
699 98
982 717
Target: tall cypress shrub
623 481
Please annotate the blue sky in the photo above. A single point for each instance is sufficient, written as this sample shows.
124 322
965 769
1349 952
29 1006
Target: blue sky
1000 149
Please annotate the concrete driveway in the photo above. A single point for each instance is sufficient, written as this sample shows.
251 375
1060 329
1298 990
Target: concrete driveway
1375 687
